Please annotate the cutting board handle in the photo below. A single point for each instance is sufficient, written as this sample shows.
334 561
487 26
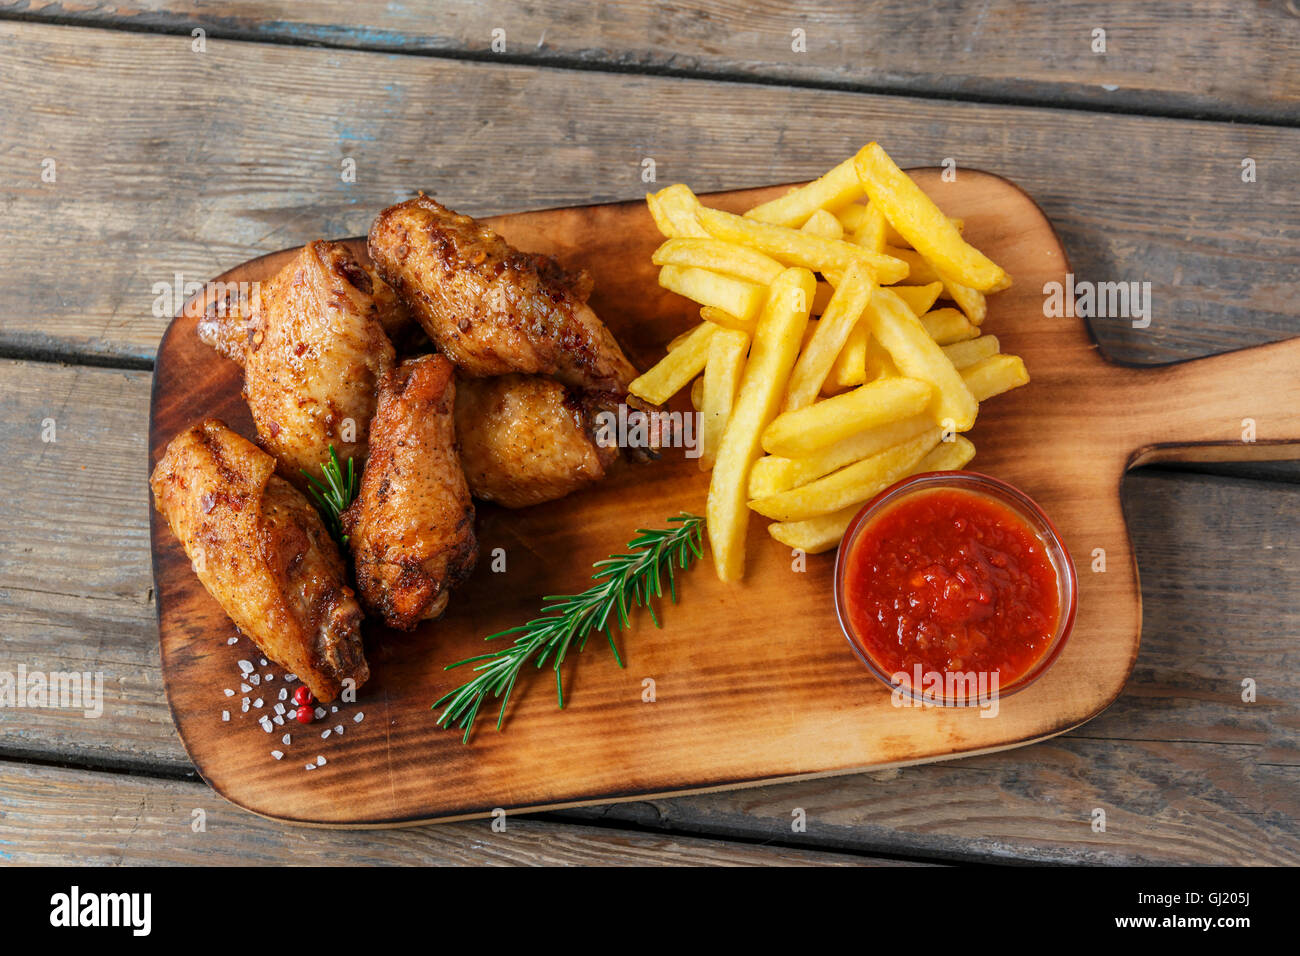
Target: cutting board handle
1238 406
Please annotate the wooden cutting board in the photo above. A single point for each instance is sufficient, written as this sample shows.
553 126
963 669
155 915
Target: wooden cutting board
752 683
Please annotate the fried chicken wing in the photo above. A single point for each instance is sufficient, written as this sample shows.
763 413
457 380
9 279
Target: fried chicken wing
490 308
261 551
525 439
411 529
314 360
228 323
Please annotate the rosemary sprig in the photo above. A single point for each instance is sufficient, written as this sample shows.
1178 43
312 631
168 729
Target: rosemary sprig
623 582
333 495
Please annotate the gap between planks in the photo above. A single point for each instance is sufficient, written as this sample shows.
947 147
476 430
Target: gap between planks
57 815
1075 95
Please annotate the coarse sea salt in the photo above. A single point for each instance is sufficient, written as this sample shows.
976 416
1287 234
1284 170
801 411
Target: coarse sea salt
225 715
277 754
311 766
286 740
320 712
258 703
254 679
279 708
338 728
279 720
244 688
357 718
246 667
325 734
320 761
243 705
229 692
232 640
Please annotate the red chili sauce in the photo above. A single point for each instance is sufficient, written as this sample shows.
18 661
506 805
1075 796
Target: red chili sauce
954 581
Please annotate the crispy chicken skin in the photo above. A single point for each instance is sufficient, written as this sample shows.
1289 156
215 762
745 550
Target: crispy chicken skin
411 529
314 359
490 308
227 324
525 439
261 551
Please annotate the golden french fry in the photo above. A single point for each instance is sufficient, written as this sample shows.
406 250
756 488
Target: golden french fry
819 354
852 216
894 239
816 534
824 532
995 375
662 222
947 456
871 234
919 298
736 296
967 353
947 326
676 369
919 272
772 355
850 368
970 301
837 188
879 362
922 224
718 256
673 209
797 248
679 340
809 330
728 321
851 485
772 473
697 391
917 356
804 431
821 223
721 378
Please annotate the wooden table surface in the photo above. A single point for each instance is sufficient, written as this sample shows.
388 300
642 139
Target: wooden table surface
128 156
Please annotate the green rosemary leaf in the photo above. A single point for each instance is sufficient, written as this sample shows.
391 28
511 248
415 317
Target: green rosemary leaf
333 495
622 582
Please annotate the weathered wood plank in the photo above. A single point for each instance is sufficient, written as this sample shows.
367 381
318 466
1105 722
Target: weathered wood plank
76 589
50 815
1165 803
1184 769
253 162
1215 59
